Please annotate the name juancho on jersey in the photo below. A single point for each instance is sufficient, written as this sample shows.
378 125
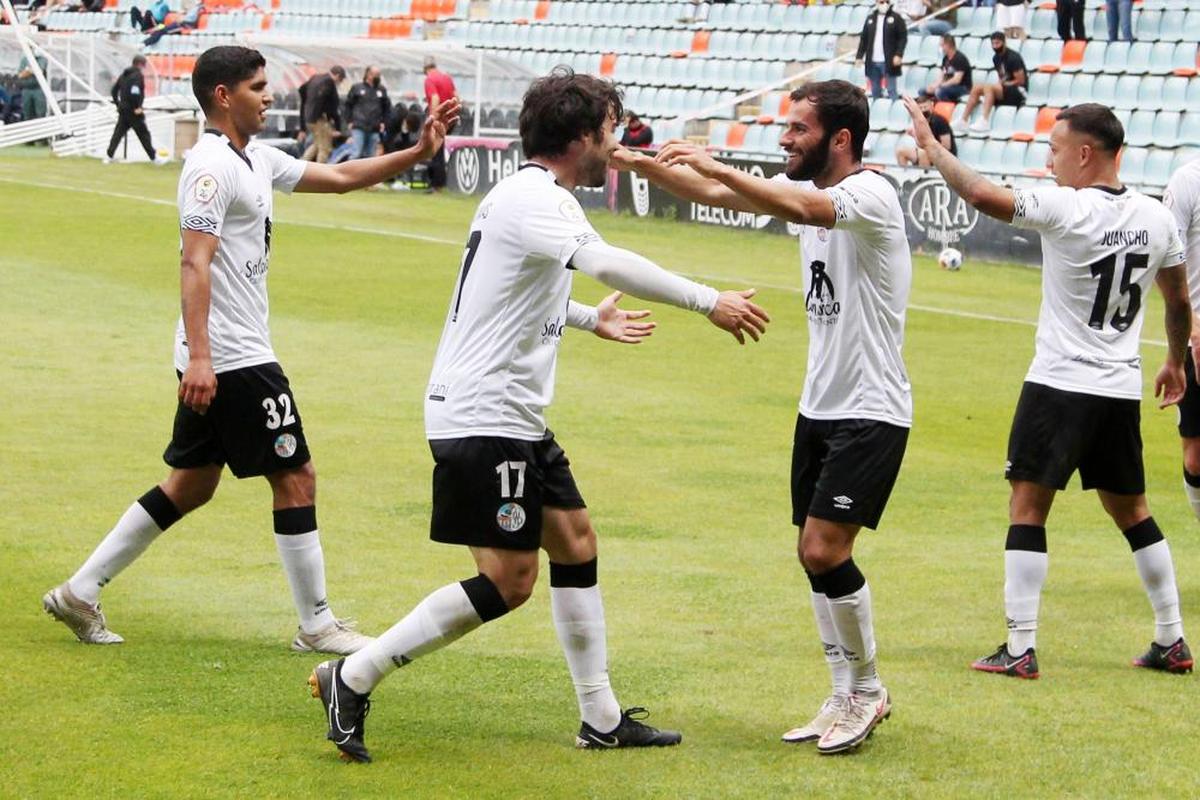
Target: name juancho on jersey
1136 238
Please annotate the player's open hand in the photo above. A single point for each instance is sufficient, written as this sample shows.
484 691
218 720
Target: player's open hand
620 325
735 313
678 152
920 127
1169 384
198 386
441 119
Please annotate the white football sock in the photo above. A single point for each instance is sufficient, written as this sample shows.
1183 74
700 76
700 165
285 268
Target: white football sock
304 563
579 620
1193 496
839 668
1157 571
1024 576
444 616
128 539
851 615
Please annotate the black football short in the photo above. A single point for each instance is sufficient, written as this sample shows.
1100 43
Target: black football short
1189 407
1055 433
843 470
253 425
489 491
1012 96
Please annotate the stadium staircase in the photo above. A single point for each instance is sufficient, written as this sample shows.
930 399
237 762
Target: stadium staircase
677 58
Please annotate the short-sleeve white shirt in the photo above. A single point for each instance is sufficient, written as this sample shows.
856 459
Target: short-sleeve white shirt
494 370
228 194
857 278
1101 250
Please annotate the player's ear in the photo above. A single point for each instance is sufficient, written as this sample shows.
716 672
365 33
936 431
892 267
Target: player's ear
221 96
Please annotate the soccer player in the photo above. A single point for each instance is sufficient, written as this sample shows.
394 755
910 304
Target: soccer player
502 485
1103 244
1183 199
235 403
856 407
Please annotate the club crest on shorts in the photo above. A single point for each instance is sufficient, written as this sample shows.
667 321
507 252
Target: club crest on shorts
285 446
510 517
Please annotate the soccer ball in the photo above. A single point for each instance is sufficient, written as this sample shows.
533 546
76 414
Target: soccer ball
950 259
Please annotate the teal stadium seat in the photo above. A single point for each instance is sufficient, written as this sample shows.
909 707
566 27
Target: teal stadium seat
1081 89
1191 26
1035 156
1127 91
1166 128
1175 92
1189 131
1116 56
1003 119
1012 157
1133 165
1059 93
1150 91
1172 26
1140 131
1158 169
1139 59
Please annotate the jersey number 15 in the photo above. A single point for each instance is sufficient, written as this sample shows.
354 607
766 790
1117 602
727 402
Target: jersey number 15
1105 269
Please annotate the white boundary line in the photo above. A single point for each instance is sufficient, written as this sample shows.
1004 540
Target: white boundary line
947 312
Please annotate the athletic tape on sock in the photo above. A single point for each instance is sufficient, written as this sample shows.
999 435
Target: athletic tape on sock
842 580
485 597
160 508
1026 537
573 576
1144 534
294 521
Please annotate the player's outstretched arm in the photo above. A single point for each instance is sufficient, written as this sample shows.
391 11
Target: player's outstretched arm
608 321
1171 383
633 274
764 196
681 181
363 172
198 386
990 198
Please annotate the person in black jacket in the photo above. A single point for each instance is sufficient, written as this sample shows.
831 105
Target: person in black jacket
128 93
319 112
367 108
881 48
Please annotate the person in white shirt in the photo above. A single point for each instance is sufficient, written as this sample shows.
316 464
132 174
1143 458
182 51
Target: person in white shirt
856 406
235 405
1182 198
1103 245
502 485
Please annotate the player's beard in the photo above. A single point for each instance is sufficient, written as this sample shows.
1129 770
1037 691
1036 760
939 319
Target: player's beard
813 162
595 172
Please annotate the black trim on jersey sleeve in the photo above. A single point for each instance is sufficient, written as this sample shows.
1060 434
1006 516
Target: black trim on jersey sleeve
200 224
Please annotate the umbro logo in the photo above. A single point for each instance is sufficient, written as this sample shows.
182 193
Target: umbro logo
401 660
843 502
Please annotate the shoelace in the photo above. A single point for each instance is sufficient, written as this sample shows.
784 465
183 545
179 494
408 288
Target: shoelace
832 705
856 711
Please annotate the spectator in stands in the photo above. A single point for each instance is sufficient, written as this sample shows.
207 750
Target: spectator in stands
128 93
954 81
319 112
913 10
33 101
156 14
1010 17
403 129
1009 90
637 133
1070 13
881 47
439 87
1120 11
367 107
190 20
907 156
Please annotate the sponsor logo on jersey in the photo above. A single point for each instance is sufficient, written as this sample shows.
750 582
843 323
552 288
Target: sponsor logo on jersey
205 188
938 212
438 391
821 302
510 517
466 169
552 330
285 445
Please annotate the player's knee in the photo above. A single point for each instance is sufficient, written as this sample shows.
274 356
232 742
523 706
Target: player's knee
515 582
1191 458
818 558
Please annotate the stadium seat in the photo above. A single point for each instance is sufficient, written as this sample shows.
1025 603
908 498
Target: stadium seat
1158 169
1127 91
1146 25
1116 56
1081 89
1172 28
1024 123
1189 131
1150 93
1059 93
1072 55
1133 165
1002 122
1174 93
1140 131
1138 62
1166 127
1035 158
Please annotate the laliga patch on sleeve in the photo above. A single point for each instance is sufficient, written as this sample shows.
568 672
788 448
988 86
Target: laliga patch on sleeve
205 188
571 210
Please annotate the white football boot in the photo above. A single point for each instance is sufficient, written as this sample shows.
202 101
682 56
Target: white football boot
338 638
85 621
859 717
823 721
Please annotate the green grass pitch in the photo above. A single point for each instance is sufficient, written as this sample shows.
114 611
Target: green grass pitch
681 446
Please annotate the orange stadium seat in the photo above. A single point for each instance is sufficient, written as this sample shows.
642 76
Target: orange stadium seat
608 63
1072 53
737 135
542 11
700 41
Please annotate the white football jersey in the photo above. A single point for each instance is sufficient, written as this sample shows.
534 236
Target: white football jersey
494 370
857 278
1183 199
1101 249
228 194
